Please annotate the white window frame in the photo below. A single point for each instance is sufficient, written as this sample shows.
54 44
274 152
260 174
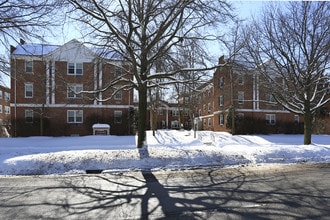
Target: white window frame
119 95
74 91
175 112
28 116
7 96
296 119
175 124
270 100
118 117
118 71
28 90
7 110
240 80
240 97
29 66
221 82
209 123
221 100
76 115
0 108
75 69
1 94
270 119
221 119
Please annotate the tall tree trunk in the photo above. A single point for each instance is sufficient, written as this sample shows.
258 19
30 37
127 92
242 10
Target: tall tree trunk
308 121
142 115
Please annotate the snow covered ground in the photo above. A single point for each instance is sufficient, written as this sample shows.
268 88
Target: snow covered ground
169 149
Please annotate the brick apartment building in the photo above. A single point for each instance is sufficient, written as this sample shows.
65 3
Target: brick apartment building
240 92
46 86
170 116
4 109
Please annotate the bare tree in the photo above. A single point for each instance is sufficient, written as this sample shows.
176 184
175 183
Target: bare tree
23 19
145 31
291 44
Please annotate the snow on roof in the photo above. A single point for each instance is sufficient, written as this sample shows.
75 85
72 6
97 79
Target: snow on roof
113 55
44 49
34 49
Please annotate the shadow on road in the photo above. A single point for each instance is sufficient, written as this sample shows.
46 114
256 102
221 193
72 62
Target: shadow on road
198 194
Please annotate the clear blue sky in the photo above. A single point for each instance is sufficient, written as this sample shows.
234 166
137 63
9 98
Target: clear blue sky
245 9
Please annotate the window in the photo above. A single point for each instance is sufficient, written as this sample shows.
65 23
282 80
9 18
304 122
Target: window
175 124
175 112
74 116
209 107
0 94
186 100
28 90
118 116
7 96
221 100
7 110
270 99
160 111
209 122
240 97
221 82
74 91
0 108
240 80
296 119
75 68
28 66
118 71
270 119
221 120
28 116
118 95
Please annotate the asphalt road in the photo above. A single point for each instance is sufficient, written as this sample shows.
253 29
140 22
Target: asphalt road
264 192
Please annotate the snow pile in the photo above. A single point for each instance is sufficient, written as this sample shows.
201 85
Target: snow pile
169 149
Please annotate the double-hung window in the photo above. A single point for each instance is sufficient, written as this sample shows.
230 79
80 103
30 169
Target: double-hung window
74 91
7 110
240 97
28 90
118 116
7 96
28 116
221 119
28 66
221 100
118 95
75 69
118 71
270 119
75 116
221 82
240 80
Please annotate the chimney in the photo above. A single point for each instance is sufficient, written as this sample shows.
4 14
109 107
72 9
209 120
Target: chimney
222 59
12 48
